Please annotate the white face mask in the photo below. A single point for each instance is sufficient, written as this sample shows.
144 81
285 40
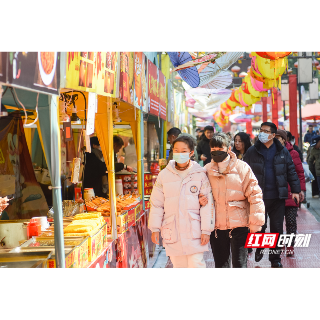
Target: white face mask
181 157
264 137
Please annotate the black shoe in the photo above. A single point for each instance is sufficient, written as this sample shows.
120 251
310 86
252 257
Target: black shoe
258 255
276 265
250 250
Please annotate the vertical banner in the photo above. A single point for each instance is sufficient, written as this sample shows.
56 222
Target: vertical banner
127 77
153 86
170 102
275 107
144 83
264 110
124 76
293 102
138 100
163 97
91 112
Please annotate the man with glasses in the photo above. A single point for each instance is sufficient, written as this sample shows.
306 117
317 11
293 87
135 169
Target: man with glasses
273 167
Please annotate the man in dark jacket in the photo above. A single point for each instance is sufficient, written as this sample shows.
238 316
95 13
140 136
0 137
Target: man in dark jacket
203 147
273 167
309 135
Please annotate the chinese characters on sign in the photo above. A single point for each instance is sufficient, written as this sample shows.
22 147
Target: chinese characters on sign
269 240
163 96
153 86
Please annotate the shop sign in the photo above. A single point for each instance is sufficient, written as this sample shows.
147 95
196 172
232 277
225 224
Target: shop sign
141 81
170 102
3 66
162 96
153 88
127 77
92 72
39 71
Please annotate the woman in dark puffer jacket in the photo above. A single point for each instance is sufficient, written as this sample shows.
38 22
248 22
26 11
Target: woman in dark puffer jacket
291 206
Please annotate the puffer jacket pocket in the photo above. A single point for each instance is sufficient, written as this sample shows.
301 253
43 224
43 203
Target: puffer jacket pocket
195 225
169 230
238 214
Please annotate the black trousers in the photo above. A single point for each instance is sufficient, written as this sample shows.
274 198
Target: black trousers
315 189
275 209
222 244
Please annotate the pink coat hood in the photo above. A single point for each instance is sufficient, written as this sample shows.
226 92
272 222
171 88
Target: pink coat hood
176 212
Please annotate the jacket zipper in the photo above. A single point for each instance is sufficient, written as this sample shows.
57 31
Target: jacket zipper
227 215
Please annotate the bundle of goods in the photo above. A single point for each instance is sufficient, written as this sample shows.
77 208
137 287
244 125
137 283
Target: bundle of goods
84 224
123 203
4 202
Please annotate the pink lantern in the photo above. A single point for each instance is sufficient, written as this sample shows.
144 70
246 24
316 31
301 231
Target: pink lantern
257 85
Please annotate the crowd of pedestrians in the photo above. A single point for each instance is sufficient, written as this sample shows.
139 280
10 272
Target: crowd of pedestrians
226 191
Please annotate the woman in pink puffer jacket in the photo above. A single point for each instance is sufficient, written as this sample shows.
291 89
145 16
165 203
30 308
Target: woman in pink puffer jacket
175 210
238 202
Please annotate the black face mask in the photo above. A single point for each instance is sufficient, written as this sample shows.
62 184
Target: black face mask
218 156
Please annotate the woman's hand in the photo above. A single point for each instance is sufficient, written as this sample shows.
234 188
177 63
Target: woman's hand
301 195
155 237
203 200
204 239
203 157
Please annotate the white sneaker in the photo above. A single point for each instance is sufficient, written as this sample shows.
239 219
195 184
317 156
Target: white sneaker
316 196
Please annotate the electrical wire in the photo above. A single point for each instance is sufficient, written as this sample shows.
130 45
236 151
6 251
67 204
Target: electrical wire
24 109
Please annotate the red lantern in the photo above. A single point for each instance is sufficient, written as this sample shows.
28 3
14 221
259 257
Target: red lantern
273 55
289 71
296 64
318 67
316 63
235 69
242 74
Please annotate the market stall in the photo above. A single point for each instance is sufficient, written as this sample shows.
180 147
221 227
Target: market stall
90 101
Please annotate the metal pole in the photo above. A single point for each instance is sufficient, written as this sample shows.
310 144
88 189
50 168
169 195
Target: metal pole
284 111
300 119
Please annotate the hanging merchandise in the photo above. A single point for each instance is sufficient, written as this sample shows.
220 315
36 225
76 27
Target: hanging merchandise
75 170
189 75
221 81
91 113
203 61
212 70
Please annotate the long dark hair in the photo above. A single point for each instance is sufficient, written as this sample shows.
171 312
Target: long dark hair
245 138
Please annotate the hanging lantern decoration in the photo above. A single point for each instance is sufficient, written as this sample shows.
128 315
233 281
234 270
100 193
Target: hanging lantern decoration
318 67
296 64
242 74
289 71
235 70
273 55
